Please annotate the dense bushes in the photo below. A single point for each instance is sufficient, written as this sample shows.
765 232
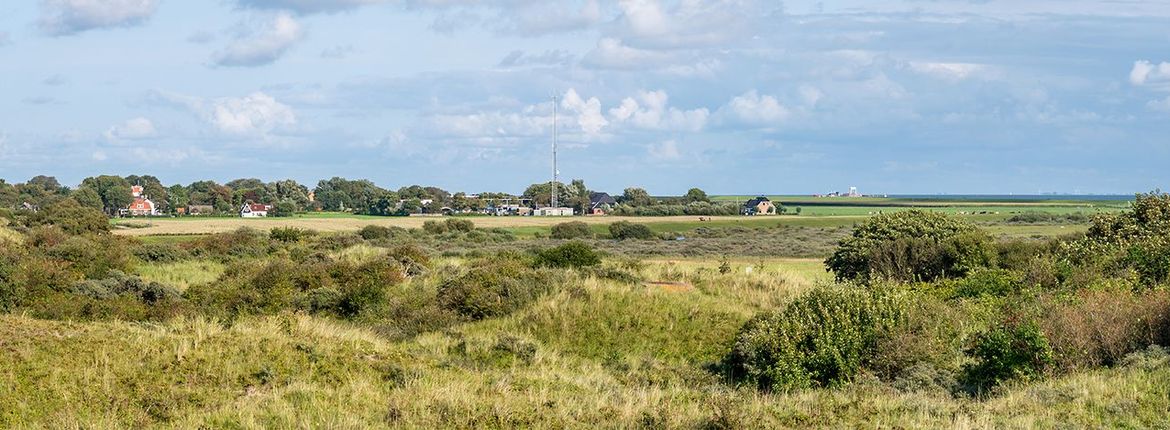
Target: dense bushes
290 234
693 208
572 254
450 224
1100 327
911 245
623 230
821 339
493 287
571 230
1012 351
160 253
71 217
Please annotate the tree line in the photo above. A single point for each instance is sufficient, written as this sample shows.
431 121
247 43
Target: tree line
111 194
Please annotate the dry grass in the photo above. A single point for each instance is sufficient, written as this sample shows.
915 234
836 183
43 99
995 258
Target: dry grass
181 274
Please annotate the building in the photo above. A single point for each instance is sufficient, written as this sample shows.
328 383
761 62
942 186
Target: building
551 211
759 206
141 205
254 210
601 203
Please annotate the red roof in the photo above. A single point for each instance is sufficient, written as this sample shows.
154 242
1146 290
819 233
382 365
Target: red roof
258 208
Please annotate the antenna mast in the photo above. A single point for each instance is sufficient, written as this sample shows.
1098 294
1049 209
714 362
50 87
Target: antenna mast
554 155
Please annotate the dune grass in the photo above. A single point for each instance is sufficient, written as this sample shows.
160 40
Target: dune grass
181 274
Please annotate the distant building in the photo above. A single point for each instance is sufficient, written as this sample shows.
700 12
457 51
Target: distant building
601 203
551 211
254 210
141 205
758 206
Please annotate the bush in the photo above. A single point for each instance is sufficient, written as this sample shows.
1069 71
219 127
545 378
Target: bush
374 232
911 245
120 284
94 256
290 234
623 230
160 253
1099 328
492 287
240 243
463 225
572 254
987 283
71 217
821 339
434 227
414 261
1013 351
571 230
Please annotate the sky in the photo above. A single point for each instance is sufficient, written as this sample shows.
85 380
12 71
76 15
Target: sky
732 96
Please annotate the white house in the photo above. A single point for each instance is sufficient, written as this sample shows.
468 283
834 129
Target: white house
253 210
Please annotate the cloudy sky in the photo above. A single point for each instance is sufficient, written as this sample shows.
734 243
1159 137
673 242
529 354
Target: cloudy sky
734 96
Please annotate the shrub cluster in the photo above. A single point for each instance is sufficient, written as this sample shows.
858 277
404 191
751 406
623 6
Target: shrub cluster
911 246
574 254
571 230
450 224
493 287
623 230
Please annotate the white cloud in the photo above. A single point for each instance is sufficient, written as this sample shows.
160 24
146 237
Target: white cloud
517 58
649 110
810 95
588 112
65 17
99 155
667 150
752 108
263 45
1144 72
255 114
950 71
307 6
611 53
338 52
132 129
686 24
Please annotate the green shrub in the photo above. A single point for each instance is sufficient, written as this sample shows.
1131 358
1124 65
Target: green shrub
240 243
160 253
290 234
623 230
374 232
71 217
572 254
434 227
987 283
463 225
821 339
93 257
493 287
120 284
911 245
414 260
571 230
1013 351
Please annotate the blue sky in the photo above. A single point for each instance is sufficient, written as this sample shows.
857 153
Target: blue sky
734 96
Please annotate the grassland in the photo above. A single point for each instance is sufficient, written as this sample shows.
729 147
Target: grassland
601 354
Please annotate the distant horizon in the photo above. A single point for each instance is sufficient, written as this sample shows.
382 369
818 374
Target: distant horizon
565 180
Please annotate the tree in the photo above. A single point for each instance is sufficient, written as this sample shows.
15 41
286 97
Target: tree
696 195
152 188
87 197
636 197
284 208
541 193
177 197
72 217
114 192
911 245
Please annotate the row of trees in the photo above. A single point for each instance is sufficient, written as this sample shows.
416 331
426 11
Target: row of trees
111 194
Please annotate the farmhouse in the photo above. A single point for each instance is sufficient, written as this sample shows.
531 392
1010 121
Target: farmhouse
759 206
142 205
600 203
254 210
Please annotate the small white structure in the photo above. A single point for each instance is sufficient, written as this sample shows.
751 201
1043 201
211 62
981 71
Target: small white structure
551 211
252 210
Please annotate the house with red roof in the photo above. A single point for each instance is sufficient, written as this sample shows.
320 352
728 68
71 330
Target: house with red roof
141 205
254 210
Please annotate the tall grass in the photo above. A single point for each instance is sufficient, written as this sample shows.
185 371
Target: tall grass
181 274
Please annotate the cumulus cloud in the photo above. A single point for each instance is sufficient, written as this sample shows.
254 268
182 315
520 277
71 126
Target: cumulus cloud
686 24
132 129
588 112
1145 72
1160 105
263 45
255 115
307 6
649 110
755 109
65 17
